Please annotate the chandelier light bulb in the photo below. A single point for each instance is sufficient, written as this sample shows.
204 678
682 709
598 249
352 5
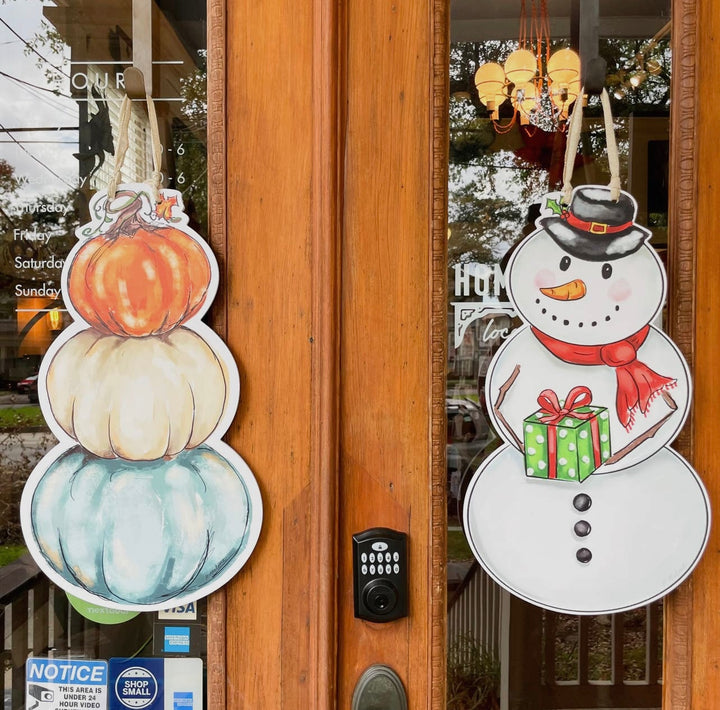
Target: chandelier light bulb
520 66
563 67
490 82
564 96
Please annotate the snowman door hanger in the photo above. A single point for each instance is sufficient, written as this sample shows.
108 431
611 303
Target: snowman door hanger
586 509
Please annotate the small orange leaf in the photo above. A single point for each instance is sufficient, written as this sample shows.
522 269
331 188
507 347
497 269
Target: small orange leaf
164 207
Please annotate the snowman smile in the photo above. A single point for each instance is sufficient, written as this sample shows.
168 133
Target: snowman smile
579 324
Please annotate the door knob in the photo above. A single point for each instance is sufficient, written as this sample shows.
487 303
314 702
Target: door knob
379 688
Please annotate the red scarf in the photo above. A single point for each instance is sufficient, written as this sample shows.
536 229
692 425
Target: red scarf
637 384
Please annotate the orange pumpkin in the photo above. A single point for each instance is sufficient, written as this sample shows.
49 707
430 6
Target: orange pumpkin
137 279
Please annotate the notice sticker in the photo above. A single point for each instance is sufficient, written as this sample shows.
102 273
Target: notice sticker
59 684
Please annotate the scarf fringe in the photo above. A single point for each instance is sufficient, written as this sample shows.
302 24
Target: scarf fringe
651 399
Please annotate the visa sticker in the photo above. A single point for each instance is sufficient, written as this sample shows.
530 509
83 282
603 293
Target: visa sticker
186 612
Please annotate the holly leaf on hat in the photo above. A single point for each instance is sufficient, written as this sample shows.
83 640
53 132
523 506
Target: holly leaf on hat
554 205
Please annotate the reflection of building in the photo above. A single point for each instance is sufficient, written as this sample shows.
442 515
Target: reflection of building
35 242
100 41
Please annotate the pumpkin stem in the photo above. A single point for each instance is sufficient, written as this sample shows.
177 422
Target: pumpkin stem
128 222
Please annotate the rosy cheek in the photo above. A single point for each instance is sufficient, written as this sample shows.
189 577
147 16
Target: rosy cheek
545 279
620 290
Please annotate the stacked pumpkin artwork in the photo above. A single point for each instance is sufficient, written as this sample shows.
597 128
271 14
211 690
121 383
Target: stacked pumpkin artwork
140 505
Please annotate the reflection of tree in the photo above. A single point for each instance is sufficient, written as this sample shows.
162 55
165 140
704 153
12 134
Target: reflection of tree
189 145
480 226
49 42
194 93
494 178
9 185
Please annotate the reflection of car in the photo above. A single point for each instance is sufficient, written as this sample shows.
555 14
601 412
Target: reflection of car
23 387
32 391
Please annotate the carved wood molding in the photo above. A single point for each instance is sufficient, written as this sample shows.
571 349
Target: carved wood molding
216 154
438 552
677 661
216 167
682 196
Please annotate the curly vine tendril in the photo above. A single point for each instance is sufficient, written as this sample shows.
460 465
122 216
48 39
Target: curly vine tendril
106 214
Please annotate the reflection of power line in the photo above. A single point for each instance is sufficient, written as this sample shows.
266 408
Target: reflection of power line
37 160
54 92
37 129
32 49
52 103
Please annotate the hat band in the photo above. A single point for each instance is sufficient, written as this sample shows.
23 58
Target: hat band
595 227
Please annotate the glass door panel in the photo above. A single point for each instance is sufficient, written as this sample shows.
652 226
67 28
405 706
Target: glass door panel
62 85
504 652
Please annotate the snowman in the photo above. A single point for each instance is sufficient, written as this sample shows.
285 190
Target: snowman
585 510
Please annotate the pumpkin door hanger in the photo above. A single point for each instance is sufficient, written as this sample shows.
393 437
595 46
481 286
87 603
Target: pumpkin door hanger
140 506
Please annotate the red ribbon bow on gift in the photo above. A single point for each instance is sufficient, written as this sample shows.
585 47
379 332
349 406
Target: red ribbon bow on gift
551 410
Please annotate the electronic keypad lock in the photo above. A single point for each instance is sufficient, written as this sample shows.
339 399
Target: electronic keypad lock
380 566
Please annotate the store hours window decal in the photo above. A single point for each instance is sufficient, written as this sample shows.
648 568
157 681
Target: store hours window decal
586 509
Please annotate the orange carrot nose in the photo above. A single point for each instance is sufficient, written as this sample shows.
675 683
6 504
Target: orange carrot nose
570 291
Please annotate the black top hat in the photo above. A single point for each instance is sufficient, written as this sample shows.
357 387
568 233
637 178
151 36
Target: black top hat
595 227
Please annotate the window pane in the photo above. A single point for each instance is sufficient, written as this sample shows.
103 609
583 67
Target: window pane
62 86
504 650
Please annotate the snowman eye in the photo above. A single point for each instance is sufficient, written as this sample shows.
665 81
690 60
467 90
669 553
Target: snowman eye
565 263
606 271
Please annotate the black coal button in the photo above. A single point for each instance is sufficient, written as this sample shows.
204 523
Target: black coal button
582 502
584 555
582 528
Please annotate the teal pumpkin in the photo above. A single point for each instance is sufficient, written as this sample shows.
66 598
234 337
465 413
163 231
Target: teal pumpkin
143 532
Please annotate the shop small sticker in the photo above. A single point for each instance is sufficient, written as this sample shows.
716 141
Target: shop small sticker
136 687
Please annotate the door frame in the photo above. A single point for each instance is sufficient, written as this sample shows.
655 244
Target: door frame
690 626
691 678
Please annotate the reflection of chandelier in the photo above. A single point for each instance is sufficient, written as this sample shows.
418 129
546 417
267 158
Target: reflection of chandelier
541 87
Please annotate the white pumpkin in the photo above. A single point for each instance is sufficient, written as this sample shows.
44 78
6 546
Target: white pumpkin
137 398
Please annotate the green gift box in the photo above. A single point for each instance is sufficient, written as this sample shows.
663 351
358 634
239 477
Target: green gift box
566 440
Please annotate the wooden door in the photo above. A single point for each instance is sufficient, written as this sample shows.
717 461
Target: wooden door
330 219
327 124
